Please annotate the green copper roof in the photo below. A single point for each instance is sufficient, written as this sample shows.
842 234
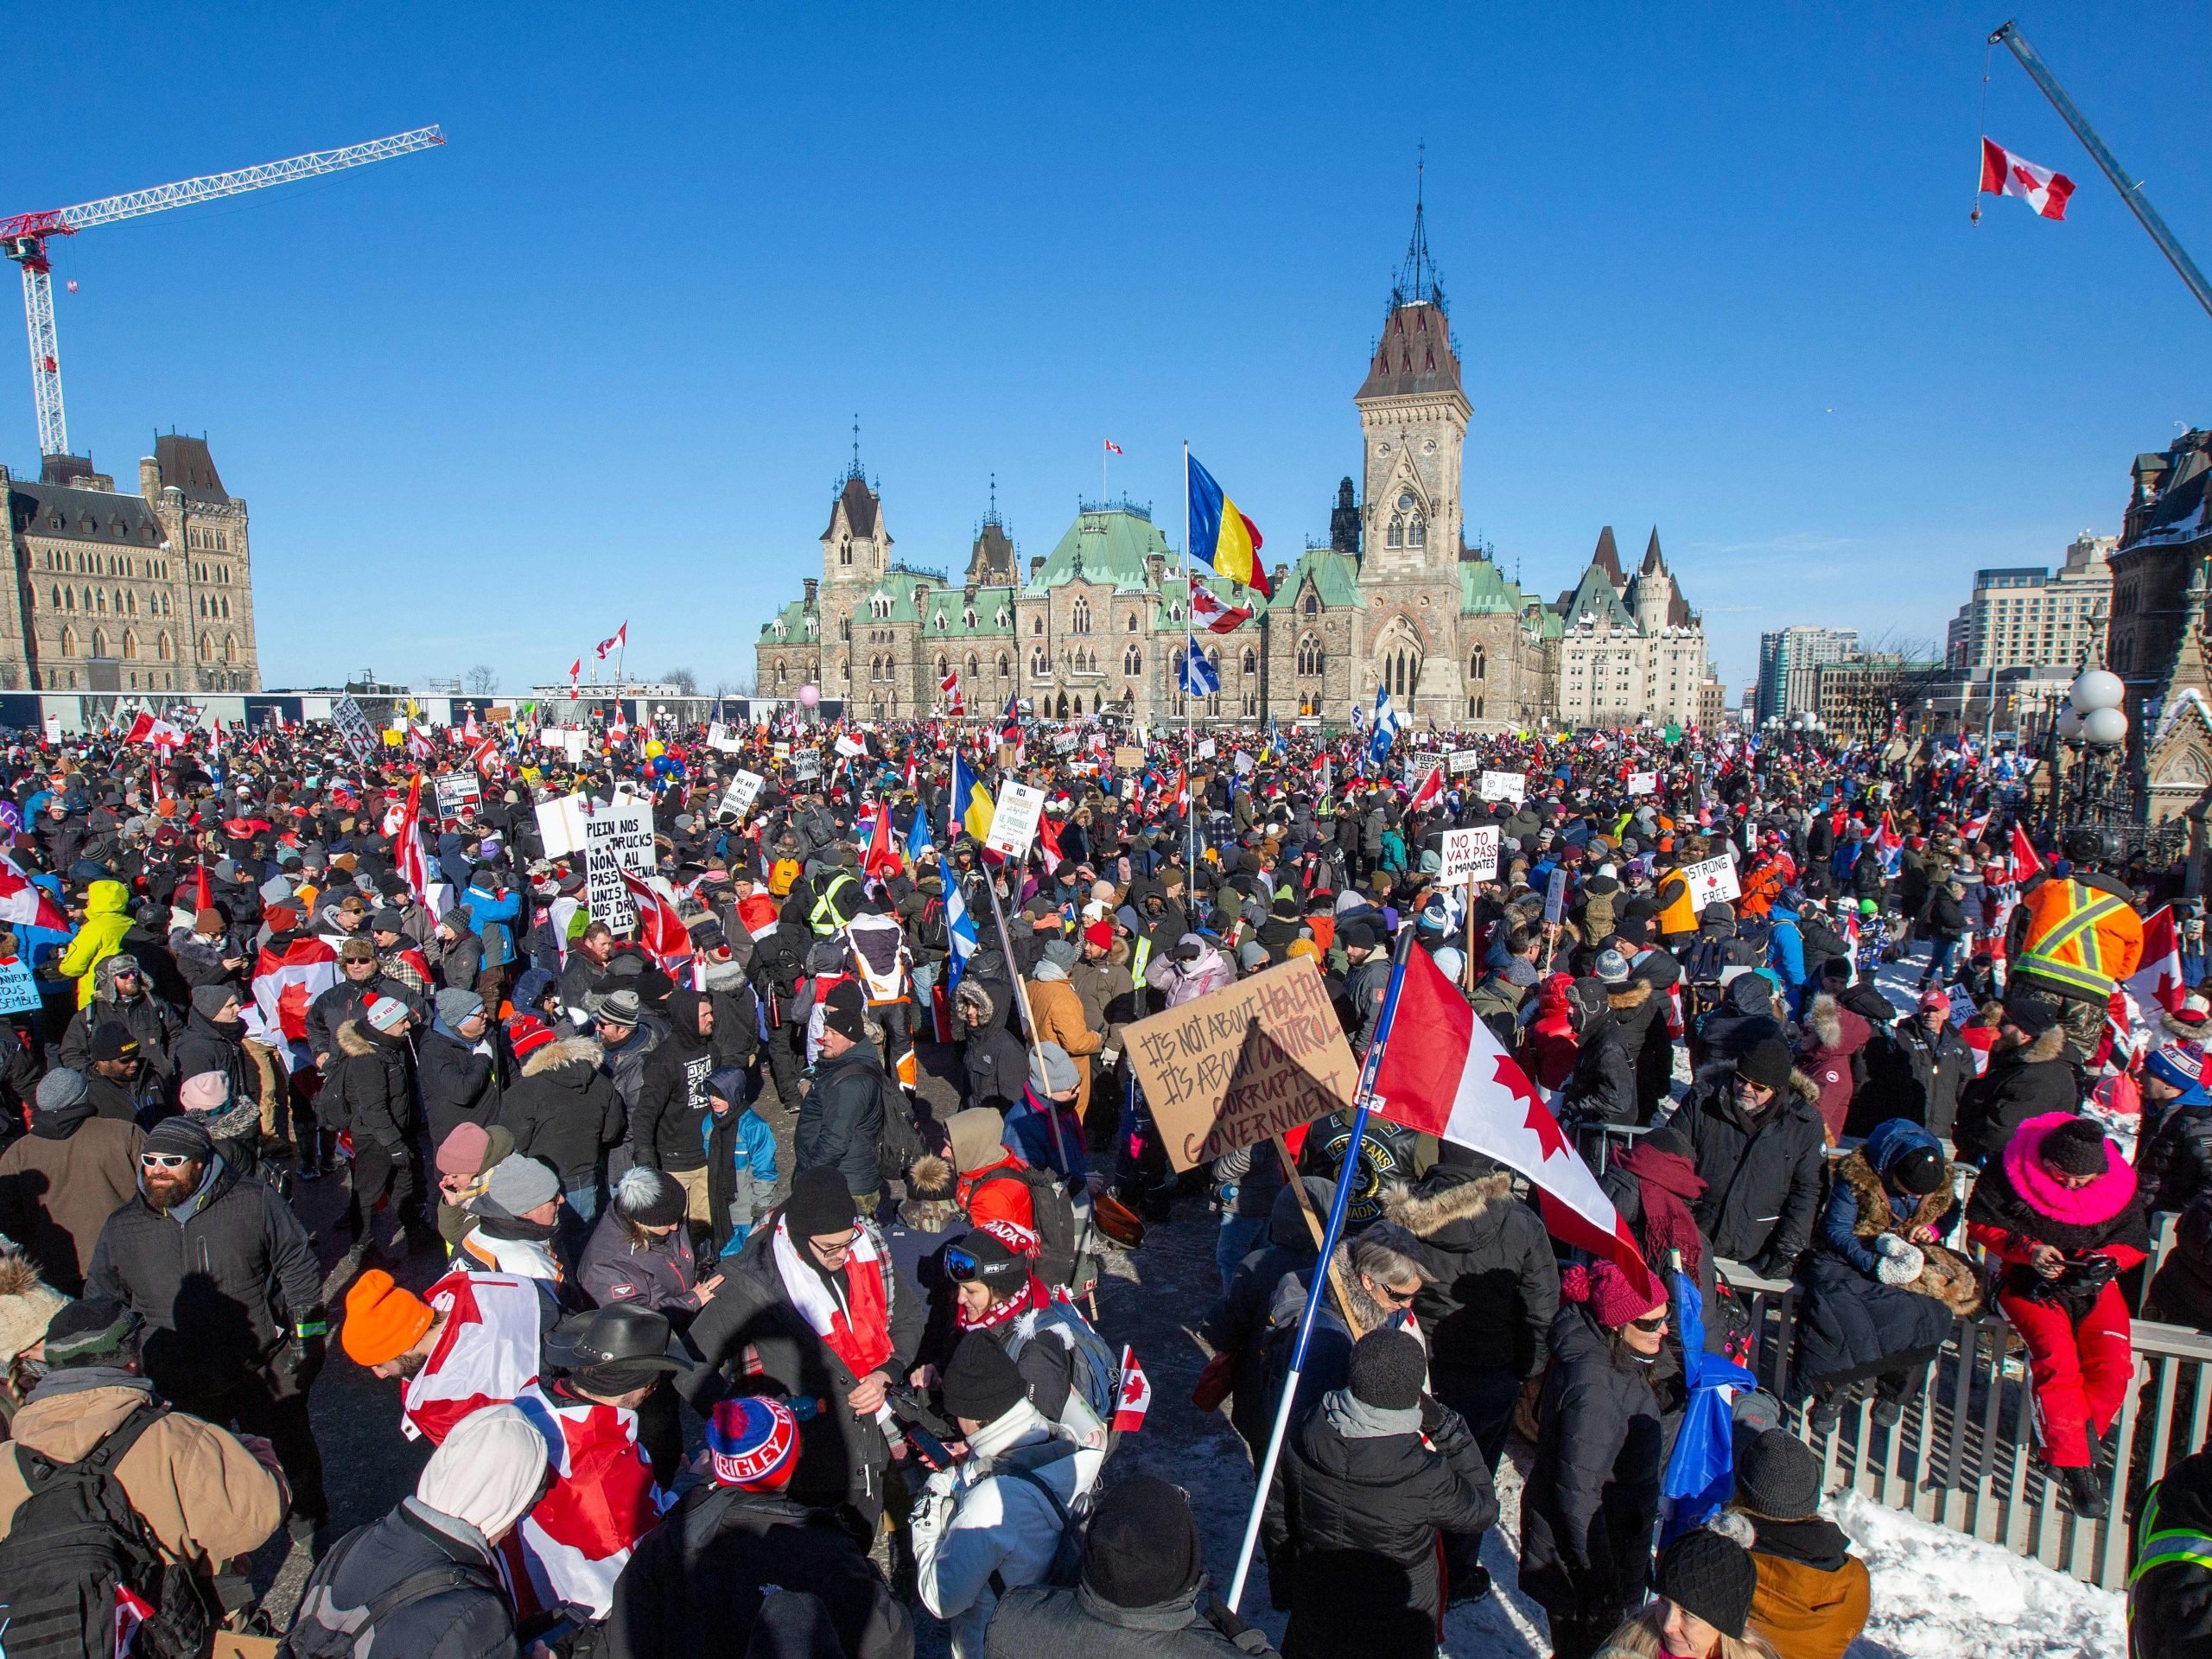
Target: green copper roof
1594 601
1109 545
899 588
1485 590
945 616
791 624
1334 575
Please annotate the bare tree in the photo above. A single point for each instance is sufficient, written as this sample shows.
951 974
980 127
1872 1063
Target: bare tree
684 680
482 680
734 686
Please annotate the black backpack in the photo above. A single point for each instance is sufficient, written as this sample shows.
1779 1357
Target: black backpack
1064 1571
1061 1261
75 1547
322 1630
897 1142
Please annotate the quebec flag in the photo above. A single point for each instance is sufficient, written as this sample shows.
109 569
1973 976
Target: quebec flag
1199 679
1385 731
960 932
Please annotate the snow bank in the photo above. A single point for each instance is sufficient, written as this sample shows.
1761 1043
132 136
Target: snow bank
1939 1594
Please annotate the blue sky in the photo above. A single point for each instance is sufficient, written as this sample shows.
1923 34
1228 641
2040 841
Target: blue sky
598 358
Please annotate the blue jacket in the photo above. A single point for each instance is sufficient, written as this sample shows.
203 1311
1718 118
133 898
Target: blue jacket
1785 951
1029 1133
484 909
1887 1140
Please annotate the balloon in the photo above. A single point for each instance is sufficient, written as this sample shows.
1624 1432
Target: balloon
809 696
654 749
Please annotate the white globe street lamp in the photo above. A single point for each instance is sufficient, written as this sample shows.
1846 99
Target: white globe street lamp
2096 690
2105 726
2069 723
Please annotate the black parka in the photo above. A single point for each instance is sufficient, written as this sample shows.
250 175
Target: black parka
1494 1287
1763 1178
563 1109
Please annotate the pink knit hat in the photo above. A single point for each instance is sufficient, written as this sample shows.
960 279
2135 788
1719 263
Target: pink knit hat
1611 1298
204 1093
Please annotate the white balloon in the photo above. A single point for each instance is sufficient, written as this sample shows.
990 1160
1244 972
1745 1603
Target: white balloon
2105 726
2098 688
2069 723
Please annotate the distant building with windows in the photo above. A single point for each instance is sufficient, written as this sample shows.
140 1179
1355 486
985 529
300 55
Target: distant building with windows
1630 647
2028 616
151 592
1789 661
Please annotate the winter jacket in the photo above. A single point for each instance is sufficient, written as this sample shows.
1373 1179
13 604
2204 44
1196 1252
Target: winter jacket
664 1130
106 920
1056 1011
1917 1076
696 1583
154 1023
466 1616
996 1061
369 1087
979 1529
1834 1037
1388 1152
1862 1205
1761 1178
1602 1087
1079 1624
1186 981
1592 1493
841 1456
741 1174
1813 1593
840 1118
222 1281
60 1183
1639 1006
204 1497
2181 1291
2178 1164
1351 1524
2170 1589
460 1082
625 1066
563 1110
661 1273
1494 1287
2024 1080
2017 1204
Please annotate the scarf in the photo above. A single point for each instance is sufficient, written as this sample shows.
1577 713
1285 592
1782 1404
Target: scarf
1667 1181
1032 1294
854 1323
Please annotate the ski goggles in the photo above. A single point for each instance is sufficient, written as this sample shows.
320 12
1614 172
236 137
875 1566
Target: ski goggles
962 1268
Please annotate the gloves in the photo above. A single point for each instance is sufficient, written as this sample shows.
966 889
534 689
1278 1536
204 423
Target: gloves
1889 1244
1901 1266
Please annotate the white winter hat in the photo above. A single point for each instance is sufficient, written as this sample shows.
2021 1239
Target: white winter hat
487 1472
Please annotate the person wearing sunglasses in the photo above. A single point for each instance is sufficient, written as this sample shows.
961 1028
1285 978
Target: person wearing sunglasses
1593 1494
1071 1375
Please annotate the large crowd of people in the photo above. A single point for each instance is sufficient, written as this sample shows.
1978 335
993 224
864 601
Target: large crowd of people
733 1249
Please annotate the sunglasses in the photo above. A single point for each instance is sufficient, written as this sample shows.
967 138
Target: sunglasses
1396 1297
1654 1322
163 1159
845 1242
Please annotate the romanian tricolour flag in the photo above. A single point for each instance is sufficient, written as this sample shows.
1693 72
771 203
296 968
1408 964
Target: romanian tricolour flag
1221 536
972 807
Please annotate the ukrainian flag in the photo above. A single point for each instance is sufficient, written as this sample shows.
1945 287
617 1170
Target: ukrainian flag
972 807
1221 536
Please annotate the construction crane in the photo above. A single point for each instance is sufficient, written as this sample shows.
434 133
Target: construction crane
23 239
2008 35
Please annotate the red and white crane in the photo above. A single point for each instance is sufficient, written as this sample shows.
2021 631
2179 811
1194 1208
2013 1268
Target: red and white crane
23 239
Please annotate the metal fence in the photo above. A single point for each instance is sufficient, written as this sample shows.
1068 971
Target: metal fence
1963 1454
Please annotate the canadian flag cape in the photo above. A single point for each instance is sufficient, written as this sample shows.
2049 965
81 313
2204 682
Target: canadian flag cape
1450 1078
486 1355
1432 788
602 1501
286 982
2157 983
660 930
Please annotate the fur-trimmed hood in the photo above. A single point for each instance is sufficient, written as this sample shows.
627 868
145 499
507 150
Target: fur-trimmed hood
1824 1022
1630 995
568 1051
1426 1214
352 1041
2049 1046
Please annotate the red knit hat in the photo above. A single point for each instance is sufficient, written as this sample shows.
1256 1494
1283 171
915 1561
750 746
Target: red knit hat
1099 933
1611 1298
527 1034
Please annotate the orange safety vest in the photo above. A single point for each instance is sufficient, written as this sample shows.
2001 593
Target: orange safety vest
2079 938
1681 915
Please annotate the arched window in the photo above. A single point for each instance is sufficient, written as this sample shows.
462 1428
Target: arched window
162 645
86 600
129 643
230 649
1036 623
1006 665
1133 659
973 671
1079 616
1132 628
68 640
968 616
1039 666
845 551
1251 660
944 667
782 670
1396 536
1417 532
1477 665
99 642
57 598
1312 606
845 627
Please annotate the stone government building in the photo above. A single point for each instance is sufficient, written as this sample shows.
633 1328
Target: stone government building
114 593
1394 597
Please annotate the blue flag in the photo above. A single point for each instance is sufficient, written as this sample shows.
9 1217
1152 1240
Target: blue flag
1199 679
1701 1470
917 837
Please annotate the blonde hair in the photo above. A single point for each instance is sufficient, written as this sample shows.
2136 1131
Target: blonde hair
1640 1639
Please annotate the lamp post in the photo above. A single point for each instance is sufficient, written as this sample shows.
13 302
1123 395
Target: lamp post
2094 723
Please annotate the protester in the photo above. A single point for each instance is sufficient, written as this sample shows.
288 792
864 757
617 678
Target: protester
1813 1593
60 1183
2028 1075
1756 1140
1707 1584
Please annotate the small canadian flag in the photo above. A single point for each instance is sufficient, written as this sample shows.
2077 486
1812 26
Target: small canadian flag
2004 174
948 694
1135 1398
1432 788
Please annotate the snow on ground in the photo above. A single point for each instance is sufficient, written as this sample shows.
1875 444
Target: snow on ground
1939 1594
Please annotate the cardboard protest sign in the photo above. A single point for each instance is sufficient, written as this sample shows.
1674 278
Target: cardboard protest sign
1469 855
1013 824
1128 757
850 746
1713 880
737 798
18 989
617 837
1502 786
1461 760
1206 749
353 726
1644 783
1257 1058
1065 742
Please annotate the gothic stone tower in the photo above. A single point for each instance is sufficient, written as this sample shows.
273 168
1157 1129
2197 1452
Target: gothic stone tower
856 557
1412 418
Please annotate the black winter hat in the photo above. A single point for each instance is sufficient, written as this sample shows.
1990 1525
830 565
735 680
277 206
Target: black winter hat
1766 1062
981 1384
2075 1147
1387 1368
2033 1015
1778 1477
846 1011
651 1197
1918 1170
1713 1577
993 1263
820 1204
1141 1546
179 1135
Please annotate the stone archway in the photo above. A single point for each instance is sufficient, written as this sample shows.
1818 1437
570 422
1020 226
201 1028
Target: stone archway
1398 653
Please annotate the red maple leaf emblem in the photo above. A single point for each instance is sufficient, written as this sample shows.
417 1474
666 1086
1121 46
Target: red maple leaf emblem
1540 1122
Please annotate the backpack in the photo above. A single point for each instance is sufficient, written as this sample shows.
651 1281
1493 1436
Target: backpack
930 935
1097 1369
77 1549
1064 1571
323 1630
898 1143
1062 1262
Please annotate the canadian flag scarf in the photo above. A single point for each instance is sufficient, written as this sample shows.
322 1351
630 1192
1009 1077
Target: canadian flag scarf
857 1325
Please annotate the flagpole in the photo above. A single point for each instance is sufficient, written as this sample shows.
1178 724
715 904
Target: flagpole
1361 1101
1021 1000
1190 645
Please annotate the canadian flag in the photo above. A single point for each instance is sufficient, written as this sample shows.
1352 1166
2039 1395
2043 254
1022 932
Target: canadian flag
24 901
486 1355
601 1502
2004 174
1455 1082
285 983
576 670
619 731
1112 448
1135 1397
1432 788
486 759
619 639
469 727
147 729
407 850
2157 981
1211 614
660 930
2026 865
949 692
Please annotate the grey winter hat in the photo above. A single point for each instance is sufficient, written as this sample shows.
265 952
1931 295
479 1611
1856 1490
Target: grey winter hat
1611 967
1061 953
1519 971
86 1332
520 1184
1052 1072
621 1008
455 1005
387 921
1778 1477
61 1089
179 1136
207 1001
275 891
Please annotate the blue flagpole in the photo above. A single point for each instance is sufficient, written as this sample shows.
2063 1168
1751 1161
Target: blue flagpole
1330 1237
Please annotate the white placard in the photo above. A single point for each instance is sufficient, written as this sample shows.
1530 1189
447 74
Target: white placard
1470 854
1461 760
1013 825
569 741
561 825
1644 783
721 739
53 728
1206 750
457 792
1713 880
1242 762
850 746
1065 742
353 726
737 798
616 838
1502 786
806 766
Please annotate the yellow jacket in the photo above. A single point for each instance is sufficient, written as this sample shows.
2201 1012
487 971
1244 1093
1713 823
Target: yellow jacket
100 937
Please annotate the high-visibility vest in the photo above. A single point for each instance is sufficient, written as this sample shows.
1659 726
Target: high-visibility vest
824 916
2076 937
1680 916
2156 1546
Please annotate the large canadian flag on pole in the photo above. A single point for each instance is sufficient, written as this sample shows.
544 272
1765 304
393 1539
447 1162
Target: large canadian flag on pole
1455 1083
2004 174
